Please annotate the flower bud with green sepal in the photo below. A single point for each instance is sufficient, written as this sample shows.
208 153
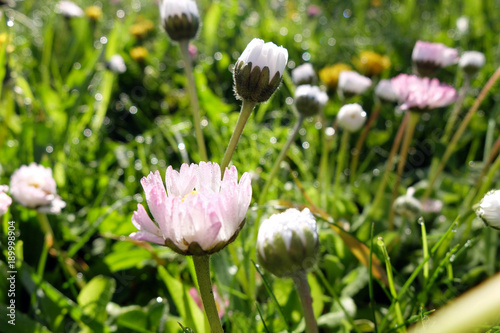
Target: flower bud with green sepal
180 18
287 243
309 100
258 71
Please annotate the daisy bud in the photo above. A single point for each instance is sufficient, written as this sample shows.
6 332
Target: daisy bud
351 117
309 100
180 18
116 64
429 57
304 74
489 209
471 62
385 93
407 206
352 83
34 187
5 200
197 213
287 243
258 71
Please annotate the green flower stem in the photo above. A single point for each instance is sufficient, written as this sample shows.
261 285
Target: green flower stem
246 110
281 157
410 130
390 164
456 109
195 108
361 141
461 129
202 268
425 250
392 288
341 157
491 245
300 281
64 262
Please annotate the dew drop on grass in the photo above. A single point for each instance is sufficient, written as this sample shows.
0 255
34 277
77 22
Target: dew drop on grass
330 131
452 258
306 56
49 149
421 220
159 299
376 172
380 241
87 132
302 131
289 101
181 146
273 140
305 145
120 13
468 243
318 125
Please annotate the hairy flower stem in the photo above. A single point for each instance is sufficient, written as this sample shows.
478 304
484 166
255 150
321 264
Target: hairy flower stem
458 134
300 281
202 268
193 97
246 110
410 130
361 141
390 164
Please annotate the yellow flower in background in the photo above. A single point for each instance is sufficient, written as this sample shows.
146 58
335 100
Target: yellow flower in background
371 63
139 53
330 74
5 38
94 13
141 28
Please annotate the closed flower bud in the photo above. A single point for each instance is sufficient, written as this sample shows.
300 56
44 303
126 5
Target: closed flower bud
304 74
407 206
352 83
258 71
489 209
385 93
351 117
309 100
429 57
471 62
287 243
180 18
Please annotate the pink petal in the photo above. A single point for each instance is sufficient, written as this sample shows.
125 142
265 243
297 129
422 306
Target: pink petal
209 175
146 236
143 222
179 184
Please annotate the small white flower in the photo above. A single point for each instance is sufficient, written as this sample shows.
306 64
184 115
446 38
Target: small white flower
471 61
351 117
288 242
462 24
264 55
303 74
69 9
353 83
116 64
5 200
384 91
489 209
34 187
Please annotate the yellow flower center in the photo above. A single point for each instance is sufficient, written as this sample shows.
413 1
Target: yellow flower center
194 192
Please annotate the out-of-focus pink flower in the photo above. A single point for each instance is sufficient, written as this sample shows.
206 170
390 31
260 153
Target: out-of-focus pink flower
221 305
429 57
313 11
5 200
422 94
34 187
352 83
193 51
198 213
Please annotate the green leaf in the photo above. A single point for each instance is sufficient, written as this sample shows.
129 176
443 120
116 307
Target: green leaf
184 303
136 320
94 297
